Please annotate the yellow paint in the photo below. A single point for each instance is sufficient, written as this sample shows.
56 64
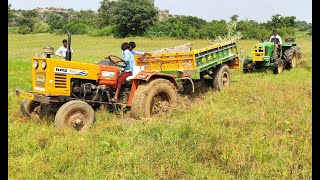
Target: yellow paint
26 95
48 86
257 58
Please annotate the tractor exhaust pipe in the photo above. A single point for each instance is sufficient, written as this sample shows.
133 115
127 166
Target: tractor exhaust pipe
68 52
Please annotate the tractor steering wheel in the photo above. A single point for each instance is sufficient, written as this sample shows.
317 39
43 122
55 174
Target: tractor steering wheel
113 57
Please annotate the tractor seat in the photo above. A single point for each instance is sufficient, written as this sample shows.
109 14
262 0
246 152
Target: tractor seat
136 70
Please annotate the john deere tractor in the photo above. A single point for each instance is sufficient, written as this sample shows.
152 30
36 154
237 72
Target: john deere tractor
267 55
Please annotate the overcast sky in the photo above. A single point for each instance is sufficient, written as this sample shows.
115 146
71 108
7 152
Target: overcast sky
205 9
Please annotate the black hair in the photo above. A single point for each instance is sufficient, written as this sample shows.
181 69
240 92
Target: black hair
125 46
64 41
132 44
274 31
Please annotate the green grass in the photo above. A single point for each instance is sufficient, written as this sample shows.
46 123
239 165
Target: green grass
258 128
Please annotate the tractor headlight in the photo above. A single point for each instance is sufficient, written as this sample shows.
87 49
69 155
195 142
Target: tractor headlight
35 64
43 64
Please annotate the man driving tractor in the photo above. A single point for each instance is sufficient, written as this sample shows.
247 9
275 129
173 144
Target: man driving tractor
277 39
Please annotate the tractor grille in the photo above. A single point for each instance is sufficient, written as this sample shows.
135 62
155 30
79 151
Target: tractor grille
40 79
60 80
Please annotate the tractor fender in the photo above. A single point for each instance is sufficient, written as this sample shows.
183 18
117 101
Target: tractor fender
147 76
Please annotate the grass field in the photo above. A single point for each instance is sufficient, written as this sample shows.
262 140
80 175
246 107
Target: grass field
258 128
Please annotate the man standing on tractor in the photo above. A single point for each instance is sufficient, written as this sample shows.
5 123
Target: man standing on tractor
277 40
128 59
61 52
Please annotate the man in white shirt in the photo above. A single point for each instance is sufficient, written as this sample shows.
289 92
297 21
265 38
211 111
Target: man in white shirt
61 52
275 37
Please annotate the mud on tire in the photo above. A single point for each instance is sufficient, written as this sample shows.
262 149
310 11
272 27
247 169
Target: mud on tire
30 108
156 97
75 114
278 66
291 57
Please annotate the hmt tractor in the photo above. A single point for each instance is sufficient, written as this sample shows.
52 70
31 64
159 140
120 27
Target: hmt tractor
74 90
269 54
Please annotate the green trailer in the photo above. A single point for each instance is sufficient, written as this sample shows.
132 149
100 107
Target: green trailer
210 64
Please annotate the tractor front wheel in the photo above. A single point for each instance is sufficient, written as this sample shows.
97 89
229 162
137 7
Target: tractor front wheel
32 109
278 66
75 114
247 66
156 97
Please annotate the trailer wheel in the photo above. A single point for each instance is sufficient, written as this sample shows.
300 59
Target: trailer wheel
30 108
291 57
278 66
221 77
75 114
156 97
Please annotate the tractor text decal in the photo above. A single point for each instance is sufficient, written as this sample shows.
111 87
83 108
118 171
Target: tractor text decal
70 71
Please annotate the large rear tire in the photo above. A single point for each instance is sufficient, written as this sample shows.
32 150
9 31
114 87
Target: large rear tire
75 114
291 57
156 97
221 77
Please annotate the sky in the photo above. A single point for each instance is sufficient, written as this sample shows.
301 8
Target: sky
206 9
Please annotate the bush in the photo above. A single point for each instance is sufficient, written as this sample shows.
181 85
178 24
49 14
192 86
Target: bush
24 29
13 30
105 31
41 27
75 28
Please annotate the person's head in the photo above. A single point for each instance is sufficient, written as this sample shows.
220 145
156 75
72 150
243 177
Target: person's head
125 46
65 42
132 45
275 32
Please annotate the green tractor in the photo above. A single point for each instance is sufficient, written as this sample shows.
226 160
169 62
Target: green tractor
266 54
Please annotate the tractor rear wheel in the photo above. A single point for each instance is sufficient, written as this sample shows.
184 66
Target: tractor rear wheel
221 77
75 114
156 97
278 66
291 57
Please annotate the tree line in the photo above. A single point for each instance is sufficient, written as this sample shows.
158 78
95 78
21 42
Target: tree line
124 18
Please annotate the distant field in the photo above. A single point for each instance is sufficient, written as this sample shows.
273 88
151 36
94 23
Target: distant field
258 128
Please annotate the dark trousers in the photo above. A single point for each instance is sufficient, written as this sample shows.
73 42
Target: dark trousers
122 78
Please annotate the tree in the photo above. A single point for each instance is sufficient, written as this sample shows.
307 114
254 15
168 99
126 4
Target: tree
134 17
87 17
106 13
11 15
289 21
234 18
29 13
55 21
26 25
192 20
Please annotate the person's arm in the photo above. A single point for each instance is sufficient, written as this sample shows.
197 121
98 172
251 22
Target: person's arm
137 52
58 52
71 50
